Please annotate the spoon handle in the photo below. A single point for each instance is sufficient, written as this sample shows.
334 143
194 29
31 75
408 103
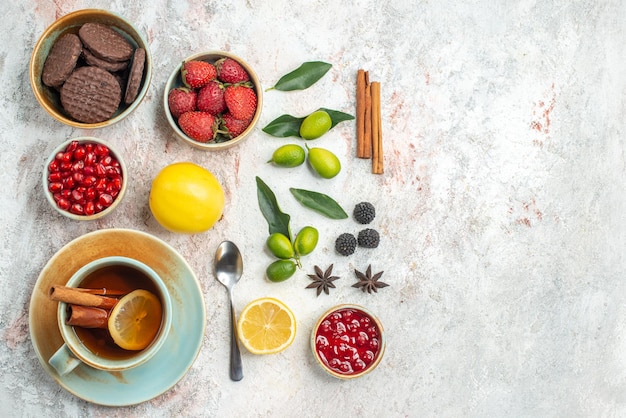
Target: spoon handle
236 368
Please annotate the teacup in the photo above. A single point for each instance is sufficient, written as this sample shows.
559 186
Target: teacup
94 347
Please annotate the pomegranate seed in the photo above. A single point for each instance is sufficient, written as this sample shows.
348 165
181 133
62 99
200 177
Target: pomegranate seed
101 184
77 196
55 177
78 166
66 193
63 204
69 182
116 182
89 147
91 193
113 171
78 177
99 207
59 156
67 157
53 166
89 170
107 160
77 209
90 158
100 170
55 187
89 181
101 150
64 166
105 200
79 153
90 207
72 146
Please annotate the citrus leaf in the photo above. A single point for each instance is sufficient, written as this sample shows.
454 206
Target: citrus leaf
302 77
320 203
276 219
284 126
287 125
336 116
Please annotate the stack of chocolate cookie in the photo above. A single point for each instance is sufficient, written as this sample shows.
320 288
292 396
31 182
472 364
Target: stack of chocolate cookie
94 71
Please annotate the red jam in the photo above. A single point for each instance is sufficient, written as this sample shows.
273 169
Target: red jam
84 179
348 341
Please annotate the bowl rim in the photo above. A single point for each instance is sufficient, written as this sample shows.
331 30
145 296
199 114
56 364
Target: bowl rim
56 26
381 351
171 83
118 198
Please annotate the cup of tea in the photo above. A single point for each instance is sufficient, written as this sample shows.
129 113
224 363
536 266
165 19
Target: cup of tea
114 314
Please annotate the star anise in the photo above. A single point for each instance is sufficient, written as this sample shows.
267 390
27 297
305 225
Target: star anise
322 280
367 282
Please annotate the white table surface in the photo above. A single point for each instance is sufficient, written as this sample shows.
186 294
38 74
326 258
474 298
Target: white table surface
501 209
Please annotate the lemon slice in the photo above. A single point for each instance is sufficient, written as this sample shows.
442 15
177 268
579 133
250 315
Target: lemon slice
266 326
135 320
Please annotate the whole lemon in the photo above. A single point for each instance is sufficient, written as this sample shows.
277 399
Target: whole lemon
315 125
280 270
186 198
306 240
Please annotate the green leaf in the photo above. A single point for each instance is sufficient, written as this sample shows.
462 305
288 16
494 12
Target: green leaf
302 77
287 125
320 203
276 219
336 116
284 126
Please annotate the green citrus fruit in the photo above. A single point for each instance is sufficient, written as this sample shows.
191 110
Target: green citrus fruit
324 162
280 270
186 198
280 245
315 125
306 240
290 155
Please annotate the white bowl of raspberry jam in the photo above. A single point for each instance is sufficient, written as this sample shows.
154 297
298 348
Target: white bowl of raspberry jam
84 178
348 341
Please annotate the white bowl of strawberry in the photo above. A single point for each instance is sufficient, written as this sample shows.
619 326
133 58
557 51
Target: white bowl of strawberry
348 341
213 100
84 178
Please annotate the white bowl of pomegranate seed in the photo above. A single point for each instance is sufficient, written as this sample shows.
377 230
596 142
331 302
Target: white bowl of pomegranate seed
84 178
213 100
348 341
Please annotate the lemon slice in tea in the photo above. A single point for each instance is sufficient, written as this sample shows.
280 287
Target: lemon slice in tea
266 326
135 320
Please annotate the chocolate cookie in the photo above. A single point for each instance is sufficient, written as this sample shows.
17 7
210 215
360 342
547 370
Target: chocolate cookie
104 42
111 66
136 74
61 60
91 95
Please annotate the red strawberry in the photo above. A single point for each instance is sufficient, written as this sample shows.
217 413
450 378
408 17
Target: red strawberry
196 74
181 100
230 71
241 101
211 98
199 126
234 126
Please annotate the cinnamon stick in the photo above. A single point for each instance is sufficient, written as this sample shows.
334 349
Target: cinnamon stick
377 146
360 113
87 317
71 295
367 115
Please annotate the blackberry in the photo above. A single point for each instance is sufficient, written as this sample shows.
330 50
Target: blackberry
364 212
368 238
345 244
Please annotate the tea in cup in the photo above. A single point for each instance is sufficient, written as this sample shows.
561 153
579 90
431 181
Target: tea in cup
114 314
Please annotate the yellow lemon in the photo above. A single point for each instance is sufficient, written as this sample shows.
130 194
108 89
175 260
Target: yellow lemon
186 198
135 320
266 326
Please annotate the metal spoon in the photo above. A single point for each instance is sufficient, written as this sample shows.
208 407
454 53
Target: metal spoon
228 270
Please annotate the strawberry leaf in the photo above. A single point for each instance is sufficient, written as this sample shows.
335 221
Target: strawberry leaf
276 219
302 77
287 125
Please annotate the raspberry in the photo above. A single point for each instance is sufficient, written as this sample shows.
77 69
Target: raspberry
345 244
368 238
364 212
